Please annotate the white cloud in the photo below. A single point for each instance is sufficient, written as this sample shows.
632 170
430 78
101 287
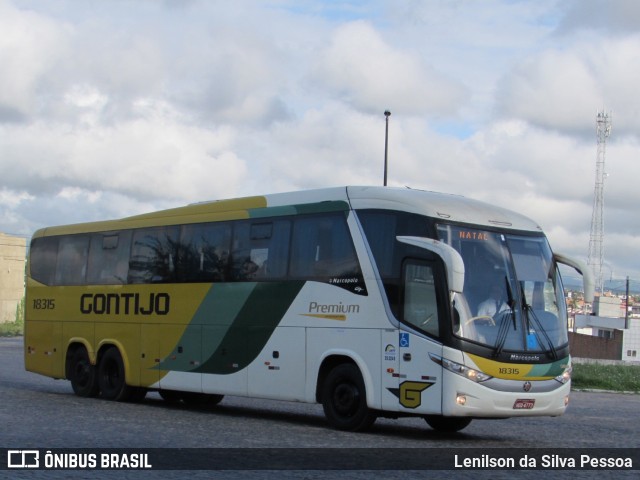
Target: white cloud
555 90
563 88
109 109
153 156
29 45
369 74
617 17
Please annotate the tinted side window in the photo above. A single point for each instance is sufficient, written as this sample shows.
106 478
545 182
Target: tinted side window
260 250
153 255
109 258
204 252
42 259
381 227
71 265
322 248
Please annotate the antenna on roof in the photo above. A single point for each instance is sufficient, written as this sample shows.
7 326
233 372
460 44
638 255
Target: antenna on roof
387 113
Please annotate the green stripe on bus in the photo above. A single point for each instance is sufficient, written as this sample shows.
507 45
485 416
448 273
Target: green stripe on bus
550 369
252 327
234 323
320 207
217 312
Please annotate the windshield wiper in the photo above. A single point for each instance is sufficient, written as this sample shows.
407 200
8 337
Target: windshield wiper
504 326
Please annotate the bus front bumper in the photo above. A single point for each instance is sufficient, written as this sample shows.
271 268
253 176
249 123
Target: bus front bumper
465 398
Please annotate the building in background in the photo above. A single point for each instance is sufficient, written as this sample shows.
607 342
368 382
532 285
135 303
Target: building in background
616 326
13 252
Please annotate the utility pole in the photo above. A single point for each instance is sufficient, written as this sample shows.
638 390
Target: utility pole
626 313
387 113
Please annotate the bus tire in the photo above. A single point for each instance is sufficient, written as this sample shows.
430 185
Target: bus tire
447 424
111 378
344 399
83 377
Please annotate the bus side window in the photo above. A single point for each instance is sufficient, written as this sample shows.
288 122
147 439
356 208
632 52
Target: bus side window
260 250
381 228
71 266
204 252
420 307
42 259
322 248
153 255
109 258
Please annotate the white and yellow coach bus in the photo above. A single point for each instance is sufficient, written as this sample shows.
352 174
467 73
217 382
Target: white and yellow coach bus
368 300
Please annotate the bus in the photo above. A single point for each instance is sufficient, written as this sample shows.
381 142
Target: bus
370 301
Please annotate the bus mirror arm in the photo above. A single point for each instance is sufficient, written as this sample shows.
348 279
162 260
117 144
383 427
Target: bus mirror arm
452 260
583 269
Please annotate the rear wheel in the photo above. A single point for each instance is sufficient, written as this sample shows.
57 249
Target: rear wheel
447 424
344 399
82 374
111 377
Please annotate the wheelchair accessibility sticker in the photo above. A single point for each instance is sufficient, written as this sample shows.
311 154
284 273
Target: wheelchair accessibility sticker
404 340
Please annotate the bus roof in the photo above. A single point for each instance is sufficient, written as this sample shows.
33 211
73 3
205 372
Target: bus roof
454 208
448 207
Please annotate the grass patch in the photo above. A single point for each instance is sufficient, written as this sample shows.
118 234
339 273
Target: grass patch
620 378
15 328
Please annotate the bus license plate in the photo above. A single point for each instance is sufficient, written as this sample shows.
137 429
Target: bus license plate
524 404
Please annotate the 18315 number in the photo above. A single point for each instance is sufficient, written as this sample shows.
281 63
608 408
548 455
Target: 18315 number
44 303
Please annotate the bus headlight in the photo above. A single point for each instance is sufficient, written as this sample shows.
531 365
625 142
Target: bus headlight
566 375
470 373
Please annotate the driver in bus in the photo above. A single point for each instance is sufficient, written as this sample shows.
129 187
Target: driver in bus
494 304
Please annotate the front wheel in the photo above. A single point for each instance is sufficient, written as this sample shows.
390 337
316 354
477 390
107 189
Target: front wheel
344 399
447 424
111 377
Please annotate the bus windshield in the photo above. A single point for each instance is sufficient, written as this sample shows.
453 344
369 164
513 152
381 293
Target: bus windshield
513 297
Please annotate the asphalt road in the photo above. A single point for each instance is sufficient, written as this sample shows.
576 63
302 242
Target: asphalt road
39 412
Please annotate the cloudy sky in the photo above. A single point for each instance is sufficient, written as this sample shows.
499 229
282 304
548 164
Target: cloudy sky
112 108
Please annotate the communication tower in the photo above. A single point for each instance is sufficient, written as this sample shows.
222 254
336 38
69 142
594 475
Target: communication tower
596 239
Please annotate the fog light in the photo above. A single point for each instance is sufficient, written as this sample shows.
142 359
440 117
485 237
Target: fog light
566 400
461 399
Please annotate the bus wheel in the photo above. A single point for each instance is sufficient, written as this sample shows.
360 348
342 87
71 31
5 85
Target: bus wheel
82 374
111 376
344 399
447 424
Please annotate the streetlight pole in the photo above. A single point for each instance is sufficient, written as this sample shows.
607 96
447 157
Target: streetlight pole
386 144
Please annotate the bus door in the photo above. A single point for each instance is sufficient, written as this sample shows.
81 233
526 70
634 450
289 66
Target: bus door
420 379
